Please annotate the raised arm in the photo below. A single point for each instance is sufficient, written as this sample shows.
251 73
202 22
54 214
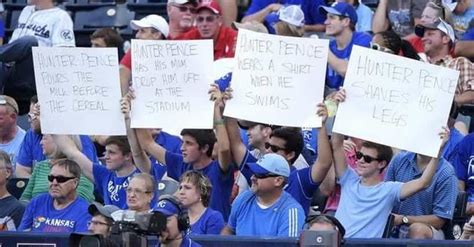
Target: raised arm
380 22
259 16
223 153
324 160
67 147
237 147
337 142
140 158
424 181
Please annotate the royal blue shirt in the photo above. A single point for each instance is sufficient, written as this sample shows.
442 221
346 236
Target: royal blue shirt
438 199
300 183
187 242
449 151
210 222
310 8
333 79
110 186
221 182
464 164
2 28
41 216
169 142
285 218
31 151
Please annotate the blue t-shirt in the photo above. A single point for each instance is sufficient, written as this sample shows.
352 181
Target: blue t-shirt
210 222
31 151
285 218
222 183
438 199
333 79
464 164
300 183
2 28
469 34
110 187
169 142
41 216
187 242
449 151
310 8
364 210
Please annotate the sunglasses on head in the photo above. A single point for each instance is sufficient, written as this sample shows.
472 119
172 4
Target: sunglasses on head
273 147
268 175
59 179
210 18
366 158
181 8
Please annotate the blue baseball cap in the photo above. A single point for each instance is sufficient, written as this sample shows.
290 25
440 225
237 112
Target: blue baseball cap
271 163
166 207
341 9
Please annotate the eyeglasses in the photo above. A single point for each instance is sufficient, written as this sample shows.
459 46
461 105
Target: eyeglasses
94 222
268 175
185 9
136 191
59 179
366 158
273 147
209 18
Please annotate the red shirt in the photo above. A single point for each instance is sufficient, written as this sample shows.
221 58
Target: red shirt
416 42
225 44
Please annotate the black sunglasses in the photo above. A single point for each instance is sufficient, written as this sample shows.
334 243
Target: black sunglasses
268 175
59 179
273 147
185 9
367 158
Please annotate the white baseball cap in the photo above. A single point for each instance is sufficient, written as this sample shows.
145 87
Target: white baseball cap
155 21
439 24
182 1
292 14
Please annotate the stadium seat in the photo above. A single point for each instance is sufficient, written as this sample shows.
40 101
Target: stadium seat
371 3
12 12
468 110
453 229
88 18
16 186
143 8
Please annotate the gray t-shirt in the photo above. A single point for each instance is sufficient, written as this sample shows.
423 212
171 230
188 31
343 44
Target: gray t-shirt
401 14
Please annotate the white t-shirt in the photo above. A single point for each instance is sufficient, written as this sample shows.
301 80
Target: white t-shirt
52 27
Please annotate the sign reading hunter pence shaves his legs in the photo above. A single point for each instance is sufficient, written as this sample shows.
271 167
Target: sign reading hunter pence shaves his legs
396 101
78 90
171 81
278 80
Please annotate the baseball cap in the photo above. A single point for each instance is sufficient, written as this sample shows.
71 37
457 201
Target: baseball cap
292 14
166 207
107 210
211 5
155 21
342 9
252 26
183 1
7 100
271 163
439 24
166 187
245 125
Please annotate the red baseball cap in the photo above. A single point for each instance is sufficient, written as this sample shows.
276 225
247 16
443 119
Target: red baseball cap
211 5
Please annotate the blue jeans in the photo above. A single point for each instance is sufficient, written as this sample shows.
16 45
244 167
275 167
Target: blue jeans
17 77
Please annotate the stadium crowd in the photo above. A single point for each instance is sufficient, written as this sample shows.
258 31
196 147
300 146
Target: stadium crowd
242 178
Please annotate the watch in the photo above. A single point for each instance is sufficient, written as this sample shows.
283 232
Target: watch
405 220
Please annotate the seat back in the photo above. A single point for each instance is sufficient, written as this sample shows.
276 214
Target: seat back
16 186
453 228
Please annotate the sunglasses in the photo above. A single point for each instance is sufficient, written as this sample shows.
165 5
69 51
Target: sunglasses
59 179
378 47
268 175
366 158
209 19
273 147
185 9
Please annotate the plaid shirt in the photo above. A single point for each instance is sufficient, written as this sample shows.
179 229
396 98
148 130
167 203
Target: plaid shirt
466 69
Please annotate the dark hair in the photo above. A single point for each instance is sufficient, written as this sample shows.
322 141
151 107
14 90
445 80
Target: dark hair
324 218
34 99
121 142
111 37
293 140
69 165
203 137
202 183
393 42
384 153
352 25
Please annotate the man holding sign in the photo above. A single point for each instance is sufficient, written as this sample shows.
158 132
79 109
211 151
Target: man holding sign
366 202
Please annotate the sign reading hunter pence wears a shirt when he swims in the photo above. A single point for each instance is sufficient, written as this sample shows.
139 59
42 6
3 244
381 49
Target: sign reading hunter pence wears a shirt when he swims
171 80
396 101
277 76
78 90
